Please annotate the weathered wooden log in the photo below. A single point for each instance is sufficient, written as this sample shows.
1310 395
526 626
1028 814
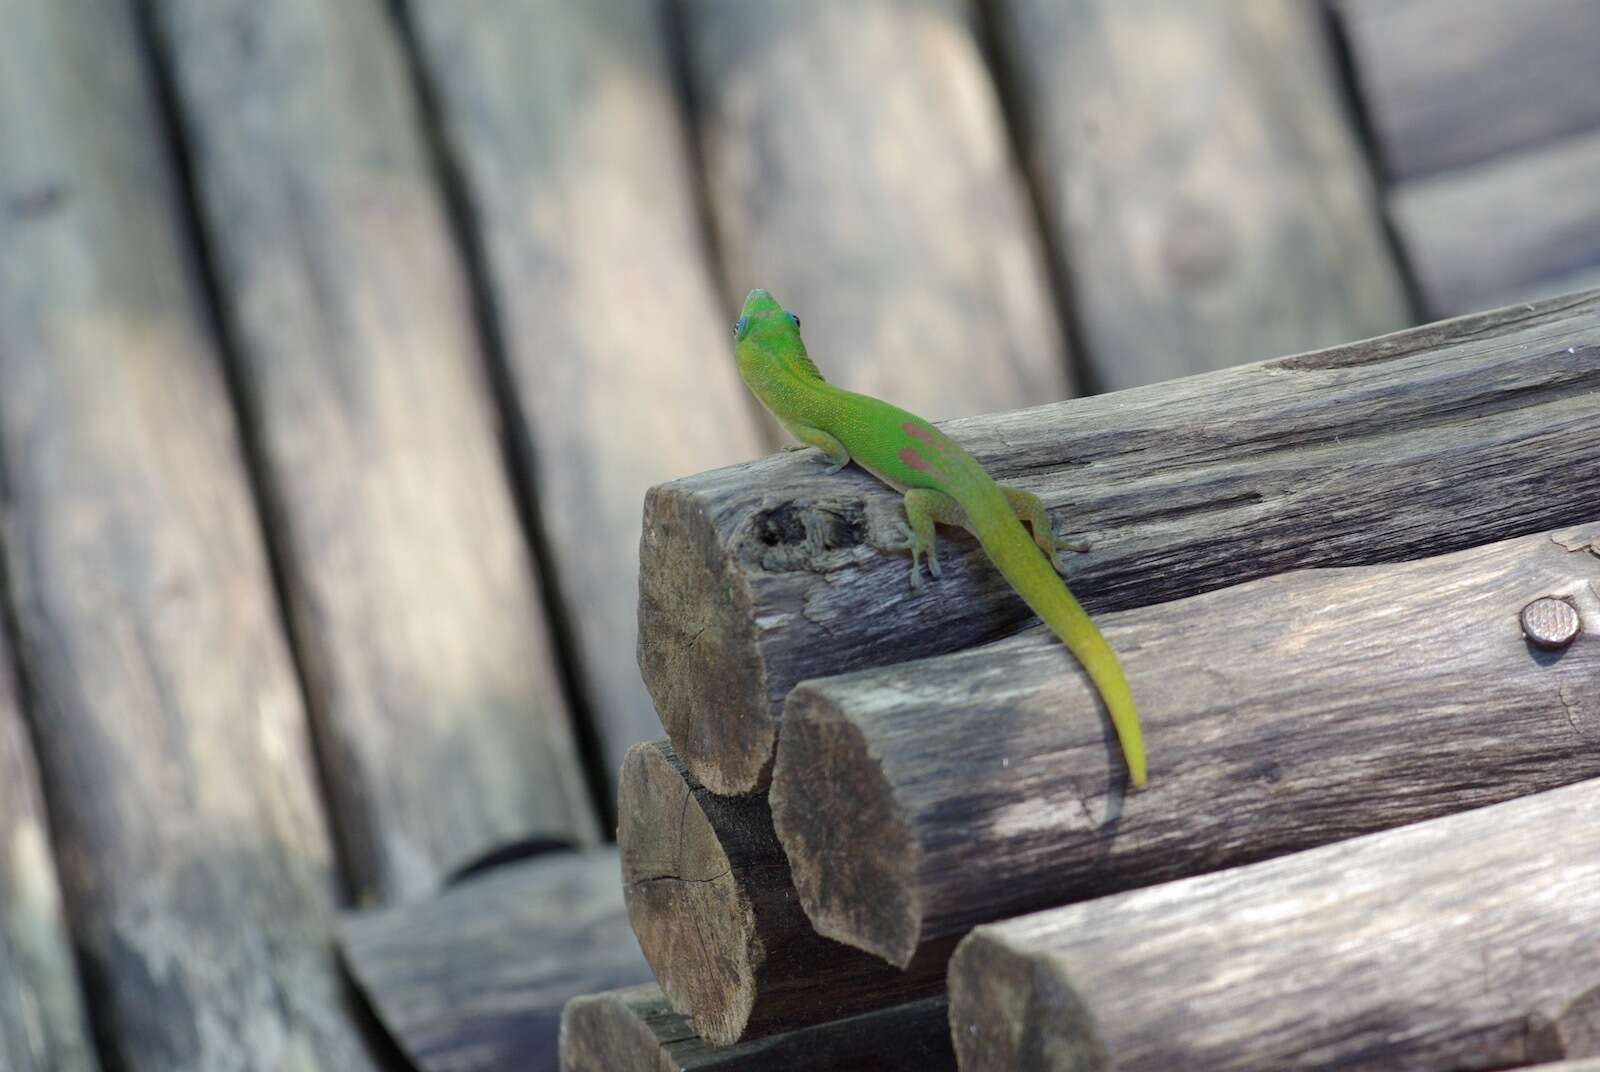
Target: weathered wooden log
709 896
635 1030
918 800
1447 83
195 862
1198 171
42 1022
858 167
562 123
474 979
1519 227
1464 942
429 671
757 577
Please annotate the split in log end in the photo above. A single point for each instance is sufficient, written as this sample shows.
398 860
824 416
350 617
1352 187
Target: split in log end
697 647
996 996
695 927
830 798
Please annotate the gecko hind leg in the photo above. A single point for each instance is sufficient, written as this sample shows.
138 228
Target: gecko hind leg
926 507
1030 511
838 457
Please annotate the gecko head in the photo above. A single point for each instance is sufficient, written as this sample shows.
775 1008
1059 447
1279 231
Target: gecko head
766 338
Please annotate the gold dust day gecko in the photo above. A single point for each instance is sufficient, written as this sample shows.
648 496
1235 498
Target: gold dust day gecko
942 484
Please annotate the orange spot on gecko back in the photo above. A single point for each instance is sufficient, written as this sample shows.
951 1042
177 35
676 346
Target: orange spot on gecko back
917 431
913 460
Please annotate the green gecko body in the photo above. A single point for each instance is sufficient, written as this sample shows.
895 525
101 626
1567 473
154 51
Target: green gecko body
941 483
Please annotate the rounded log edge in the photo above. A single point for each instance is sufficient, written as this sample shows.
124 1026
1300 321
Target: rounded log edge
695 927
995 993
829 797
697 648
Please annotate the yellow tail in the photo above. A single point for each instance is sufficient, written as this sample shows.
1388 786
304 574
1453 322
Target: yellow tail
1022 563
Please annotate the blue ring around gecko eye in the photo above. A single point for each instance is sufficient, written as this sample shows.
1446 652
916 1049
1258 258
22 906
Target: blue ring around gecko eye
795 320
739 326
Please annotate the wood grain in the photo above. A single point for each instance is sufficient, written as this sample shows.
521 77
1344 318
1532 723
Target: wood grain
1458 943
635 1030
43 1027
415 604
757 577
562 120
858 167
1447 83
709 896
917 800
1519 227
474 979
194 858
1207 196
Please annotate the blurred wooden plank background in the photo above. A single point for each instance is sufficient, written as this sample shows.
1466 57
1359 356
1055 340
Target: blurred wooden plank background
339 340
429 671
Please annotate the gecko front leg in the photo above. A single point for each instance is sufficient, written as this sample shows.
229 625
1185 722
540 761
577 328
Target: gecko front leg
838 456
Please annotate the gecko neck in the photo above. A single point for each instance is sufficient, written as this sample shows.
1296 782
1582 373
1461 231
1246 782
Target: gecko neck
792 394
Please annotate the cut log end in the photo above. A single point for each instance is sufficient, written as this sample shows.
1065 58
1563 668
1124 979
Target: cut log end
995 998
697 930
829 798
697 647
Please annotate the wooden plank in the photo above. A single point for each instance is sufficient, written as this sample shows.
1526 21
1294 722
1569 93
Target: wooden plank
1208 199
1520 227
43 1027
195 861
858 167
1448 83
710 899
430 673
474 979
562 120
757 577
635 1030
916 801
1461 943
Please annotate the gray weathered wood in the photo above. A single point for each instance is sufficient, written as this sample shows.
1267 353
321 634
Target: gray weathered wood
858 168
1460 943
194 856
474 979
1447 83
42 1022
635 1030
1521 227
917 800
709 896
563 121
1207 195
1445 436
430 672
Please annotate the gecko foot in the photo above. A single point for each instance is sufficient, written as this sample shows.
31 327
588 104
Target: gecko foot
920 550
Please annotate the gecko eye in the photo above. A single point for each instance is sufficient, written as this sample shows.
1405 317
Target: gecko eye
795 320
739 327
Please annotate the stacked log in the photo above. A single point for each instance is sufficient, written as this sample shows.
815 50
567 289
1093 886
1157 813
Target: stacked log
932 775
1466 941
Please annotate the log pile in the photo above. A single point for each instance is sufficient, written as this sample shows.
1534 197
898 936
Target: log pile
1372 783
